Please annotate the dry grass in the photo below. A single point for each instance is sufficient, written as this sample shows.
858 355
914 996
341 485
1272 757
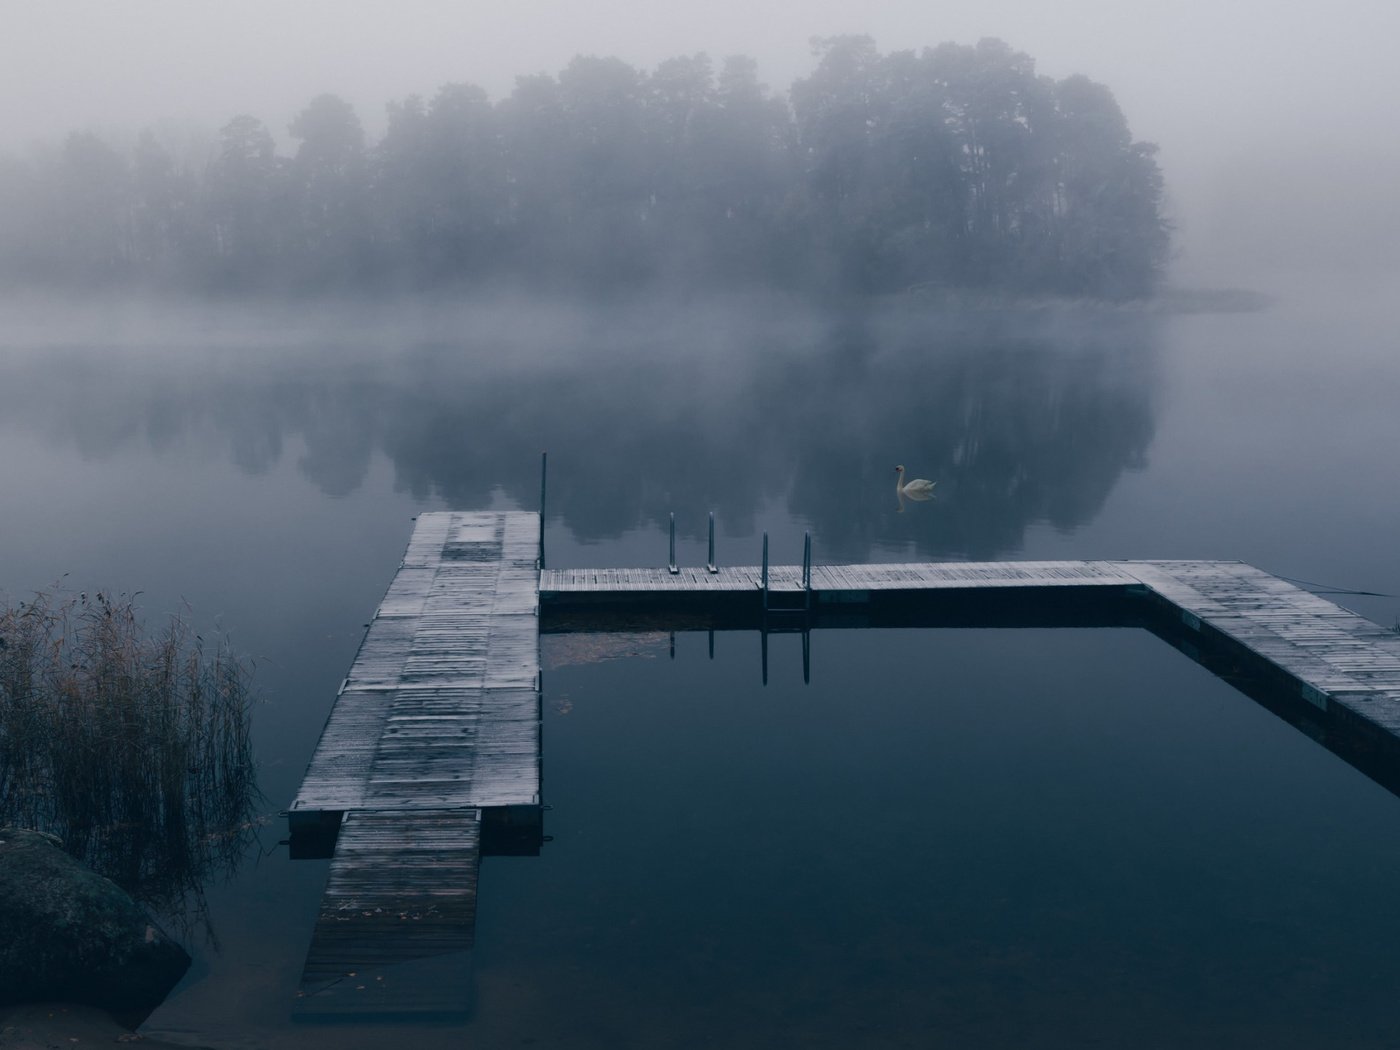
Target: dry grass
133 748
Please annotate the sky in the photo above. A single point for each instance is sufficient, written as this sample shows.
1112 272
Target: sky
1257 105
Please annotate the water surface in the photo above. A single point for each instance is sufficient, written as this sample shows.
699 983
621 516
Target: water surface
1040 838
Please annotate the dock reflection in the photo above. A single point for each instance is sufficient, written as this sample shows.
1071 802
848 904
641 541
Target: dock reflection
1359 742
433 754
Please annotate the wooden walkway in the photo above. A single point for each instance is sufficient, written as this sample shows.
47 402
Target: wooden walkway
397 919
1333 658
437 724
434 739
834 579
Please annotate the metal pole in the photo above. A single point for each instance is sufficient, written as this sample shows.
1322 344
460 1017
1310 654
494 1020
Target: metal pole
711 563
672 563
807 570
765 574
806 656
544 470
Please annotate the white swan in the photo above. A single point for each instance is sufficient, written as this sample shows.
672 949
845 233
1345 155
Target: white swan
918 489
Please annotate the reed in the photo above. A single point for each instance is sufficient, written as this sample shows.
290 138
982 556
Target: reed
132 746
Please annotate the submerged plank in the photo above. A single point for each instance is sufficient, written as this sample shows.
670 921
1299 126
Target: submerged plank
397 921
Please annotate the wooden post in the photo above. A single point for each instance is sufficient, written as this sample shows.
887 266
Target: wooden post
711 563
671 564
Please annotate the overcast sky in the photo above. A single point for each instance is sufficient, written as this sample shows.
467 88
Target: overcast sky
1232 90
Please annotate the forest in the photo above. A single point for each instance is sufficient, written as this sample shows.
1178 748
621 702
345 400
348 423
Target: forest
955 167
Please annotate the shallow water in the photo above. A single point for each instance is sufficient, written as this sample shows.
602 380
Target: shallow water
1041 838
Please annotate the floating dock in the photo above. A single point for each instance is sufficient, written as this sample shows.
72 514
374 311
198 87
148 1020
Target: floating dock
431 755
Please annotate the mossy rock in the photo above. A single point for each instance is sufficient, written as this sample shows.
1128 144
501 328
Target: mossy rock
69 935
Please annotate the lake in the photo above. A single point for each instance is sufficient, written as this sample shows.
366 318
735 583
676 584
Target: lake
975 838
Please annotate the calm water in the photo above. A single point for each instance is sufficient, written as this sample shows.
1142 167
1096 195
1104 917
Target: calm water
970 838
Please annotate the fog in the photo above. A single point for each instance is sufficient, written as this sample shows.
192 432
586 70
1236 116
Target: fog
260 309
1274 121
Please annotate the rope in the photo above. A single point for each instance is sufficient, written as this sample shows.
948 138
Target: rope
1322 588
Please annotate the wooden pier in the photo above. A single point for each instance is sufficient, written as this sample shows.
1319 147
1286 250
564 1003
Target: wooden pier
431 755
832 582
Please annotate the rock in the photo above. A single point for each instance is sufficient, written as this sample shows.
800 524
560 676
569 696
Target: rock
69 935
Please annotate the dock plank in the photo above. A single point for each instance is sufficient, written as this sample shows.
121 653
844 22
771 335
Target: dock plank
439 718
1335 655
398 917
1332 653
837 578
458 628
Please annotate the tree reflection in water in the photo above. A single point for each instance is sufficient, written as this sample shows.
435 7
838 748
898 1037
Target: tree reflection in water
133 749
1021 414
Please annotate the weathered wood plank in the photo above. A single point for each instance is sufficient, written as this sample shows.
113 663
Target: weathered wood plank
398 917
1334 655
439 718
458 628
838 577
440 713
1328 650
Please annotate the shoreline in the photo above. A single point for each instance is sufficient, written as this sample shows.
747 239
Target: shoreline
63 1026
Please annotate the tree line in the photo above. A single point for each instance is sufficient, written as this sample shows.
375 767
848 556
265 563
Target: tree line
954 167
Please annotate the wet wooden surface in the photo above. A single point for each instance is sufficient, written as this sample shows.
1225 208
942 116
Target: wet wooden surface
440 715
396 924
838 578
441 706
1333 655
438 719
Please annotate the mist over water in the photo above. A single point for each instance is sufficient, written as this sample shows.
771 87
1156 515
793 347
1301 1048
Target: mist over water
648 408
1048 838
263 466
